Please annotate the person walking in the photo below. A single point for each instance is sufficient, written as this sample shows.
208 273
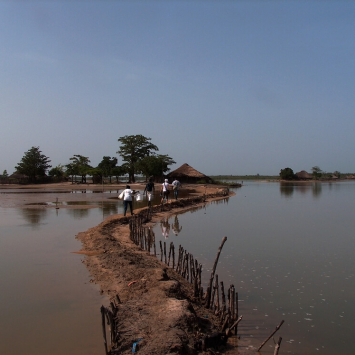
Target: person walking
149 189
127 200
164 191
176 186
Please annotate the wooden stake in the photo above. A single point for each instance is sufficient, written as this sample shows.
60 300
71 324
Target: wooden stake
161 251
169 253
104 328
223 297
165 252
213 272
277 328
228 331
277 347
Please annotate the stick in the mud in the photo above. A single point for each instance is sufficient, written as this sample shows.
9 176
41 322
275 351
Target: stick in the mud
214 292
277 328
216 308
104 328
155 249
161 251
165 252
223 297
213 271
236 310
229 300
200 278
277 347
171 245
187 266
178 260
228 331
192 268
225 323
232 301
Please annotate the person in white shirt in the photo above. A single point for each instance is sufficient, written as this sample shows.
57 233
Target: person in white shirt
165 191
127 200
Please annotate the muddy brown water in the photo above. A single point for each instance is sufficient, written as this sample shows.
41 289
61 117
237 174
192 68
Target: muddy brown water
288 253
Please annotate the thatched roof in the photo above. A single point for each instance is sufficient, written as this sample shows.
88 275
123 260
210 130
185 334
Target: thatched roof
187 172
303 175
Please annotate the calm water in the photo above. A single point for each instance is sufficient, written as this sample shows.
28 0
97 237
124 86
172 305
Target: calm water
47 303
288 253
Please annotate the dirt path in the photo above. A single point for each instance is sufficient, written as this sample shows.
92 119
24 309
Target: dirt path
157 304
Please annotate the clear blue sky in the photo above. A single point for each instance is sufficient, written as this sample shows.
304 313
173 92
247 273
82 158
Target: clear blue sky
229 87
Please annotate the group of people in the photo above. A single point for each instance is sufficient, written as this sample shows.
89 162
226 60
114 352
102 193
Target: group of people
165 190
149 191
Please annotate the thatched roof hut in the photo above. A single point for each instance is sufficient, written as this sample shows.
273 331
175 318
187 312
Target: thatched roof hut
303 175
187 174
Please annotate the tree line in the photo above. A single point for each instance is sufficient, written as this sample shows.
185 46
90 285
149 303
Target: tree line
137 152
317 174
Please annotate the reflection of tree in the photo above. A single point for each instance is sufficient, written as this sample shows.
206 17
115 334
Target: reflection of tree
109 209
286 189
34 215
317 190
78 212
176 226
165 227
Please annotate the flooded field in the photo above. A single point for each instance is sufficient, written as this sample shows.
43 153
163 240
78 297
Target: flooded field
288 254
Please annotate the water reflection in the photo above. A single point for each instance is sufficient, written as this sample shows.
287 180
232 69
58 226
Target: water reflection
34 216
78 213
287 189
176 226
317 190
109 208
165 227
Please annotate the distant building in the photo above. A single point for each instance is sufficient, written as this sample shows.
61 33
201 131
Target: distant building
187 174
303 175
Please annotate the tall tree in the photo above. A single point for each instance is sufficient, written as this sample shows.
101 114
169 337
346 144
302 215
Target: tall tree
155 165
80 165
316 172
57 172
107 165
287 174
33 164
133 149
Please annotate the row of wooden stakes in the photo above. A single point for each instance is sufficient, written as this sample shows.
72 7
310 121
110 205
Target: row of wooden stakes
189 268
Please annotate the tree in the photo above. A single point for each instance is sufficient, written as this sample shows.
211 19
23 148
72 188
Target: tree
33 164
5 174
80 165
132 150
118 171
154 165
72 171
57 172
107 165
316 172
287 174
337 174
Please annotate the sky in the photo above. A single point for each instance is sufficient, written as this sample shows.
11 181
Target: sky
229 87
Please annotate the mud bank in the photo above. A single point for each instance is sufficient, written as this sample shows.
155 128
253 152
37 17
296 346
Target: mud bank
156 305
